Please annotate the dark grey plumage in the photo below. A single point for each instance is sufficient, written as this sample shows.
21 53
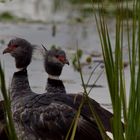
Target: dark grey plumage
55 59
46 116
56 86
20 90
20 48
43 116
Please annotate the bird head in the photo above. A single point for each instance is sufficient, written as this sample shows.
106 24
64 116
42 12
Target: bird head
54 60
21 50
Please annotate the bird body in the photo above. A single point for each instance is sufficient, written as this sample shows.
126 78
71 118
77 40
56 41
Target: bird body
42 116
45 116
57 86
57 59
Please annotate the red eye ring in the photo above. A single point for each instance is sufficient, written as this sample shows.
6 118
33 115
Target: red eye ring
14 46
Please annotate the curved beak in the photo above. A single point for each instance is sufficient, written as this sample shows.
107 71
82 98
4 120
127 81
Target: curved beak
67 62
7 50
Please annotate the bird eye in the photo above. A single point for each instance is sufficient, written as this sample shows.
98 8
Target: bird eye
15 46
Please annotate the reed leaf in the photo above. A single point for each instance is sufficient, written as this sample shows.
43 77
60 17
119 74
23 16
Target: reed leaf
85 94
7 104
115 71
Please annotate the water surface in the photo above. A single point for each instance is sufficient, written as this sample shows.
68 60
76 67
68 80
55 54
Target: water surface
65 28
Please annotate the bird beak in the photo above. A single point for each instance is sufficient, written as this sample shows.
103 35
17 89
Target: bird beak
67 62
7 50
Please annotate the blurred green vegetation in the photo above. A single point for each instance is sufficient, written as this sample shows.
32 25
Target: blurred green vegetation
9 17
9 126
92 1
115 73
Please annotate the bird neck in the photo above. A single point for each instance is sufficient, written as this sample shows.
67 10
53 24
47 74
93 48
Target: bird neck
20 84
55 86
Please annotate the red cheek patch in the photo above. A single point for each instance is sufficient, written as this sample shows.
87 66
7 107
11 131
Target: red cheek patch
61 58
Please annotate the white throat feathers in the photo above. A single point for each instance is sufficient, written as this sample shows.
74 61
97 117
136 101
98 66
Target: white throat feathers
53 77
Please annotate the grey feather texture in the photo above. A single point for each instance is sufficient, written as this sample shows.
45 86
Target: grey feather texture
43 116
57 86
54 60
46 116
21 50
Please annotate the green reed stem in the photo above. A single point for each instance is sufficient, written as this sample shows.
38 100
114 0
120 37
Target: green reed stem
7 104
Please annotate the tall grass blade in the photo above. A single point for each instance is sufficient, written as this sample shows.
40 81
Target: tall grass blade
95 116
10 125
